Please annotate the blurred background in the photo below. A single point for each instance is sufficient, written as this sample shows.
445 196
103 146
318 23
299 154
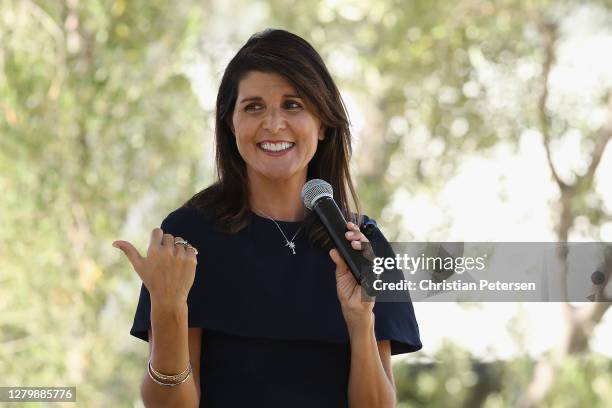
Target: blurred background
473 120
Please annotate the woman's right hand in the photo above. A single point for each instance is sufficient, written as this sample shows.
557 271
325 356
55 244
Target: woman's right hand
167 271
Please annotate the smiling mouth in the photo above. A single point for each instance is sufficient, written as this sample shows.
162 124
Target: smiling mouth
275 147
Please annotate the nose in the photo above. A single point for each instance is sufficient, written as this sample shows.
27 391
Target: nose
274 120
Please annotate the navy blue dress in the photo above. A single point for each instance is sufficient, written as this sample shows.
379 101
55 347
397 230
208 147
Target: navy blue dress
273 331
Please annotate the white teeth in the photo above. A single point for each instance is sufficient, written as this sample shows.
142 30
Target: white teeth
276 147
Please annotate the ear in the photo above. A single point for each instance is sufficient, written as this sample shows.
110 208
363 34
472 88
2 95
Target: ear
322 132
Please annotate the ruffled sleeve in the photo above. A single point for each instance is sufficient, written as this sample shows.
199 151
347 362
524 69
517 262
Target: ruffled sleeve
395 320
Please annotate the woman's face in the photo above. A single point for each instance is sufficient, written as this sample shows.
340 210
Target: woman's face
276 134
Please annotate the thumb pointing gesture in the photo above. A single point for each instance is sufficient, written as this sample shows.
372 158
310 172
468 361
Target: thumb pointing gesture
168 270
132 254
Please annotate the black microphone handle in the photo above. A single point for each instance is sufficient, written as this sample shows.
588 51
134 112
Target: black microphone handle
333 220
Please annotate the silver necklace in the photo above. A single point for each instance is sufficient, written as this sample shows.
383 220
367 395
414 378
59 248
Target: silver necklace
289 243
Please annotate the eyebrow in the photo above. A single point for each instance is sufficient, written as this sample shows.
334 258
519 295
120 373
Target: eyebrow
259 98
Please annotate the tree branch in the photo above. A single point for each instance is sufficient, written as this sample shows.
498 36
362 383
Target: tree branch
548 32
604 136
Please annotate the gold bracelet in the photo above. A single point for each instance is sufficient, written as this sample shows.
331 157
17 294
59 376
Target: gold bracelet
168 380
171 384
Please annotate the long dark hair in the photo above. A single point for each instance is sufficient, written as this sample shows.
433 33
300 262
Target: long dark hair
286 54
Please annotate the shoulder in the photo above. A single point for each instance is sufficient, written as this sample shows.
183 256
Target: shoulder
179 217
186 222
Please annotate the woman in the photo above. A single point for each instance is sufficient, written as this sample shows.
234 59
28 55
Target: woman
258 317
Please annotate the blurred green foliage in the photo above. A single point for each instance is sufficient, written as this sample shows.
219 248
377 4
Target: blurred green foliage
455 378
101 134
97 118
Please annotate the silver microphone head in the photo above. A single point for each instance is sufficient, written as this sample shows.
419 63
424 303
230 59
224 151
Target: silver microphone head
315 189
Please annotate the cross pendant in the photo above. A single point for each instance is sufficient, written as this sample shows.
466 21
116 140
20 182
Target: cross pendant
291 245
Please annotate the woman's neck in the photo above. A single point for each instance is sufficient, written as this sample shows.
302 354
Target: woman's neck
279 199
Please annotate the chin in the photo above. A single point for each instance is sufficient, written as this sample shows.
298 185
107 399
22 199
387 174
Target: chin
280 174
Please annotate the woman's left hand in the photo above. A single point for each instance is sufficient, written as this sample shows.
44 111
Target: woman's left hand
356 306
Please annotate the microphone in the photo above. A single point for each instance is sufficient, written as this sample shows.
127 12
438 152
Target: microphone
318 196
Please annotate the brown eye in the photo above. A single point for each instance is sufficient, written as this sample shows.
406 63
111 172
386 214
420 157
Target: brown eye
293 105
252 107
